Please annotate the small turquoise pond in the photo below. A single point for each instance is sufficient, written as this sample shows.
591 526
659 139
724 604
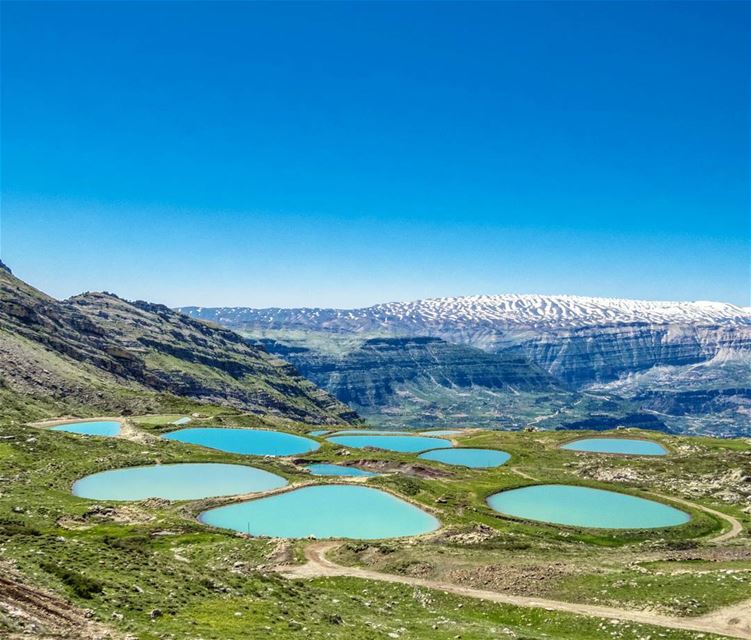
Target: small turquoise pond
252 442
176 482
617 445
180 421
585 507
403 444
371 432
320 432
324 511
475 458
441 432
104 428
337 470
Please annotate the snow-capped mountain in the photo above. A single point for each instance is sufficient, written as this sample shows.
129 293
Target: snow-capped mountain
500 311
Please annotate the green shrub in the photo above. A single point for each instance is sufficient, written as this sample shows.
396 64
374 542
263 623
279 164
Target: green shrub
82 586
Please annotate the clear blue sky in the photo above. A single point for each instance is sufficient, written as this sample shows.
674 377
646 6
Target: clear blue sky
343 154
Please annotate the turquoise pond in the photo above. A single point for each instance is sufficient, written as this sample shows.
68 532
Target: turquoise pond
176 482
585 507
475 458
371 432
319 432
253 442
324 511
403 444
180 421
102 428
338 470
441 432
617 445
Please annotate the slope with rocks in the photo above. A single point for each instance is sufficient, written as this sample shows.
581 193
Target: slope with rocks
97 351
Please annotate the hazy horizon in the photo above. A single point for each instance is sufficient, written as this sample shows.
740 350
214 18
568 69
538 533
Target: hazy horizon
347 154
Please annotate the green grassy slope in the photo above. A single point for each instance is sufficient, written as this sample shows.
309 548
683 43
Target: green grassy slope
124 561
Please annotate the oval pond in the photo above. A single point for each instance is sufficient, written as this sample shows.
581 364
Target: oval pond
253 442
475 458
403 444
338 470
441 432
95 428
617 445
324 511
585 507
188 481
371 432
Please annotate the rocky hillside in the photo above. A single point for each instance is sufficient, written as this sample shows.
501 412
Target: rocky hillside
99 351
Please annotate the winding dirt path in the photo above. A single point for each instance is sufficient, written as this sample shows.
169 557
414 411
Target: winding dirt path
731 622
737 617
735 525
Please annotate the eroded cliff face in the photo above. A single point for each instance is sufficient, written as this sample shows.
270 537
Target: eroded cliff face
372 373
602 353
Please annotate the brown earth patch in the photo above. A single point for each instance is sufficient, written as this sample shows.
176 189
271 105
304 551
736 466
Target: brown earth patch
29 611
525 580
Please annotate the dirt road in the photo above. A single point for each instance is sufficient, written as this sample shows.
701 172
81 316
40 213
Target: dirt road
733 621
735 525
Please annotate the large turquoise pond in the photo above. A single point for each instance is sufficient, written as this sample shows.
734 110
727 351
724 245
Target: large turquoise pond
325 511
403 444
475 458
253 442
585 507
617 445
338 470
189 481
101 428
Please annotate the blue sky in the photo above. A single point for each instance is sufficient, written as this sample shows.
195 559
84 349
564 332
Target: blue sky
344 154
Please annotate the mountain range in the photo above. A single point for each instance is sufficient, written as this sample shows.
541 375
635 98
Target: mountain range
626 357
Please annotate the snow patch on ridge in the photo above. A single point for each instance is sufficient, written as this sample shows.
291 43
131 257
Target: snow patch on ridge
498 311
